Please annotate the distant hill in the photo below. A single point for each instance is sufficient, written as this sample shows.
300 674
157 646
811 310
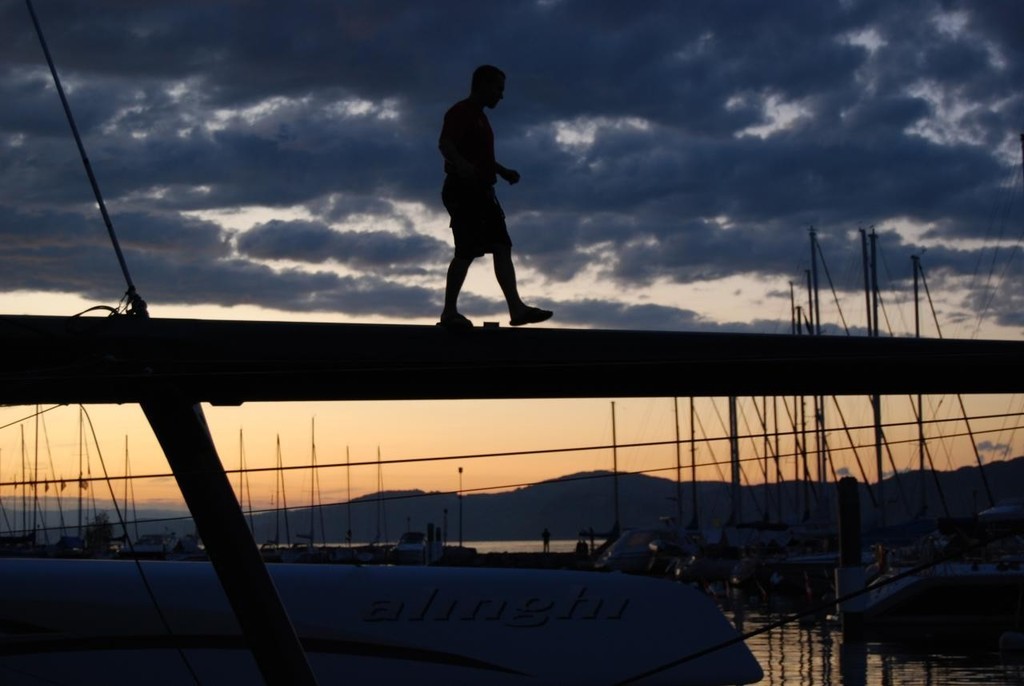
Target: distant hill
577 502
570 504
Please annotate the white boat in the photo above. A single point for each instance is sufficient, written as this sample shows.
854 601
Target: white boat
59 619
638 551
415 548
152 546
961 598
1006 514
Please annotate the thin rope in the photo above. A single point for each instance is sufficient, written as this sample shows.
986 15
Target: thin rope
138 563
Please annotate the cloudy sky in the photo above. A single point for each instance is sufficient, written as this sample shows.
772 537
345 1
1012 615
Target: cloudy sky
283 156
279 160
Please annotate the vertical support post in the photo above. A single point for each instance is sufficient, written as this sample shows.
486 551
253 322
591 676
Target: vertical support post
181 429
850 572
736 514
679 469
853 663
615 472
695 522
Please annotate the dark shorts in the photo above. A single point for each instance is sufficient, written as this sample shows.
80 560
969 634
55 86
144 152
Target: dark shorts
478 222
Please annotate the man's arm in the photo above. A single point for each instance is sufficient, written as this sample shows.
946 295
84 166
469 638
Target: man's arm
510 175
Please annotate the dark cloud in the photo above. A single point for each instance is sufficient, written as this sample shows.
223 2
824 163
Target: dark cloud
314 242
668 143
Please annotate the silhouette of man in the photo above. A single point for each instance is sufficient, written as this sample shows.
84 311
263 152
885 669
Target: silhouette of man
546 538
477 220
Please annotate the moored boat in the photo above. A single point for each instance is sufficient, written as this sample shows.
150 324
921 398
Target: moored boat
385 624
977 595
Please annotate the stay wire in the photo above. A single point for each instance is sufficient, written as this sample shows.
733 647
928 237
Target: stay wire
832 288
481 489
31 416
134 303
138 563
706 440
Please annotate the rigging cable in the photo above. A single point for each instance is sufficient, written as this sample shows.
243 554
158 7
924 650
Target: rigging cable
963 408
1001 212
138 563
135 305
280 468
832 288
482 489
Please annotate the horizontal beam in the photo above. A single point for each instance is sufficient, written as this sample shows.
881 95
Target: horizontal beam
120 359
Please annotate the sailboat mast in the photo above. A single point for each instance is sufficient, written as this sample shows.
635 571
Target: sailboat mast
779 479
314 489
244 495
815 299
694 523
734 462
805 474
348 497
615 471
241 469
282 501
382 513
766 448
24 485
876 400
81 440
915 261
821 438
874 280
127 481
312 478
810 302
794 317
867 279
35 476
679 468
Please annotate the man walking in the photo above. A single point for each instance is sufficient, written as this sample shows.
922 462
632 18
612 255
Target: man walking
477 220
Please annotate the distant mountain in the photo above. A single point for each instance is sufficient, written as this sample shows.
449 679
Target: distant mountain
570 504
578 502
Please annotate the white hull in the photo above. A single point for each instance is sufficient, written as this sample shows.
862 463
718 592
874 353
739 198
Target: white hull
91 622
958 599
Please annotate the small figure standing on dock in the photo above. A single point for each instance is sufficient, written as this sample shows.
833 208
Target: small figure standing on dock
546 537
477 220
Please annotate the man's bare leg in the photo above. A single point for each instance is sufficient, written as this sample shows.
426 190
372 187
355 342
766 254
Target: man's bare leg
518 311
457 271
505 272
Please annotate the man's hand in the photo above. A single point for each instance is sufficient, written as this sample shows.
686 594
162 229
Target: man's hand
510 175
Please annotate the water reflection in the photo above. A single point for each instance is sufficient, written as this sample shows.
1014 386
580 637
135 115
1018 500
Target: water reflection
811 652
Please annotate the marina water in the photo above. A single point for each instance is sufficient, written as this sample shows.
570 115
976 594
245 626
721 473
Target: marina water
812 652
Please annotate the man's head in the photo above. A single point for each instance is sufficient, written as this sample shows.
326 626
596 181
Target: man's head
488 86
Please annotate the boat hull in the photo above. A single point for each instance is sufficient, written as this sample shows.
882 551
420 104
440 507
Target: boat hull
952 600
434 625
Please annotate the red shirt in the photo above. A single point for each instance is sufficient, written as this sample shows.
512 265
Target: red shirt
466 125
